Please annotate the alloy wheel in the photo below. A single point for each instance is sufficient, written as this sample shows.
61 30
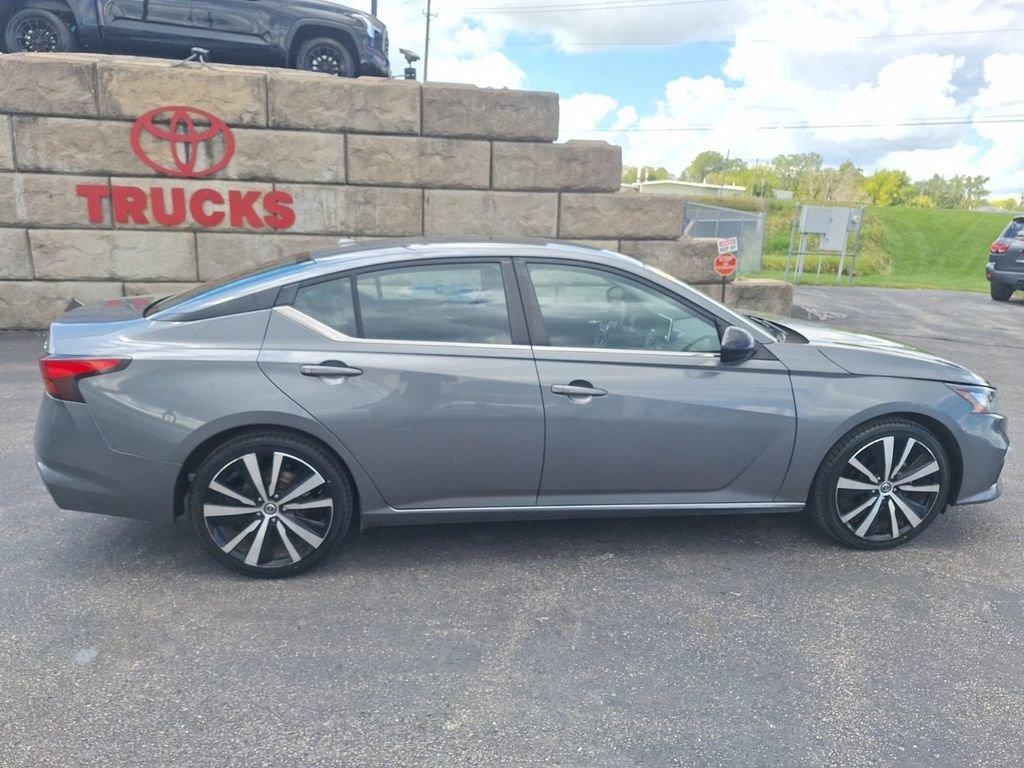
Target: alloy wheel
268 509
37 35
326 60
888 488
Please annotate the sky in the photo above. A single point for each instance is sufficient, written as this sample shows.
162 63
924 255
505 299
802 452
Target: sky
928 87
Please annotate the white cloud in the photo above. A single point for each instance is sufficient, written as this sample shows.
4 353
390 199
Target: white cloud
818 62
584 112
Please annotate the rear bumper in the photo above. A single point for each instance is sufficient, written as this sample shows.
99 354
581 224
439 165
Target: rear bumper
83 473
1016 279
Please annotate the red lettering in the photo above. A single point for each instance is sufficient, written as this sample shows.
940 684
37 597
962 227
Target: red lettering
174 217
129 205
94 195
197 206
243 211
279 206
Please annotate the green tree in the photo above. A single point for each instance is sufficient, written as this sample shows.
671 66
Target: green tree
887 187
1007 204
710 162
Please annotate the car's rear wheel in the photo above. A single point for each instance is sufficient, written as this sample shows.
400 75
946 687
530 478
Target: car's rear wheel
1000 291
328 56
881 485
35 30
270 504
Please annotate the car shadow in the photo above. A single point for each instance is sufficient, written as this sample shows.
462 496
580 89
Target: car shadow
110 546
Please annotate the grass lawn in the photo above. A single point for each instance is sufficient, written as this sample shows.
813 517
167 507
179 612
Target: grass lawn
924 248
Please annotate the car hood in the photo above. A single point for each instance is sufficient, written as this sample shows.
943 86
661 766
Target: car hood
865 355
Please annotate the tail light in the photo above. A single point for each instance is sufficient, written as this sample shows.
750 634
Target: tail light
998 247
62 374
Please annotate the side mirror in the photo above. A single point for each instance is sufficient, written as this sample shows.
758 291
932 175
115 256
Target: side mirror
737 345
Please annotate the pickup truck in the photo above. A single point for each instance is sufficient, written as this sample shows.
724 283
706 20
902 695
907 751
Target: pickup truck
317 35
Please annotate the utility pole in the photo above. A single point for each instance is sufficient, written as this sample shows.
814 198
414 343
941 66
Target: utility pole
373 8
426 43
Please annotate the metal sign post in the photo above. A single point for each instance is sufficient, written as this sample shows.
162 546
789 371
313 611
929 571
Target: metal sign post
726 262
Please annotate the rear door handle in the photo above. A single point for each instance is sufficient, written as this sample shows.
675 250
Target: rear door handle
330 368
577 389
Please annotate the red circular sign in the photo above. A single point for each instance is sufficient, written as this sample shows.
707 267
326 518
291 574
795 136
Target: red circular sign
185 131
725 264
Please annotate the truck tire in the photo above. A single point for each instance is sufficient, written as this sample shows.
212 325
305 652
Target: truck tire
34 30
1000 291
327 55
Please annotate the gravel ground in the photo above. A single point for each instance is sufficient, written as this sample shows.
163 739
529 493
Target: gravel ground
736 641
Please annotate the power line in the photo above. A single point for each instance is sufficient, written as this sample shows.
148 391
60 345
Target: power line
917 123
599 5
670 43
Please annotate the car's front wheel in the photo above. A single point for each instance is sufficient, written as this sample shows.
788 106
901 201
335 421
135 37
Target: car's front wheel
328 56
35 30
270 504
1000 291
881 485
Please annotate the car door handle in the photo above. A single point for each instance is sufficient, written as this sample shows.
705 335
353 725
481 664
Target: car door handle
330 368
577 389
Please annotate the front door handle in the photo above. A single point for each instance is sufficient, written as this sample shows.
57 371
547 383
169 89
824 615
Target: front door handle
578 389
329 368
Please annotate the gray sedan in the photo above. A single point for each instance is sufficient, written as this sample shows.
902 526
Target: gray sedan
401 382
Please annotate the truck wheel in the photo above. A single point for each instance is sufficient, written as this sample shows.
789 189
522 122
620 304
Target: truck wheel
1000 291
327 55
34 30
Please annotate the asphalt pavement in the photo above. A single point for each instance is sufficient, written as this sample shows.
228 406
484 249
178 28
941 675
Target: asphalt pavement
729 641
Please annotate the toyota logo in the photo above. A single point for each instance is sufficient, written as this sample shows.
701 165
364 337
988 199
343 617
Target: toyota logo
184 142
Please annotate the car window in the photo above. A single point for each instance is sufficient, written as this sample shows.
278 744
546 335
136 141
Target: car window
254 274
457 303
583 307
329 302
1016 229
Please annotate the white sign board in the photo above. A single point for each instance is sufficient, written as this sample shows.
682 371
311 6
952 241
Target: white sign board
728 245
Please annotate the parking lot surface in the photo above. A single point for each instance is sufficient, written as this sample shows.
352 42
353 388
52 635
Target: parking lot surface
729 641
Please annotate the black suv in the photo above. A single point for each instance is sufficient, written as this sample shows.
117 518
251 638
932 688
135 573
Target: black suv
1005 268
317 35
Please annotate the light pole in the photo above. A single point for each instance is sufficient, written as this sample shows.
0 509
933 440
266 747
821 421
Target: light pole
426 42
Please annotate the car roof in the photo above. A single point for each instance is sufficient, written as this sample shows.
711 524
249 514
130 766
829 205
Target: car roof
409 248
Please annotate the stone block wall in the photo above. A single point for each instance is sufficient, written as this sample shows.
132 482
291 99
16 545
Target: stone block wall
362 158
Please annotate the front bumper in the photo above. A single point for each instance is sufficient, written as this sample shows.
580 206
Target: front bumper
373 62
984 443
83 473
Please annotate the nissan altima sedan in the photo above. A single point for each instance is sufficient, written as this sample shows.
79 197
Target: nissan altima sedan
401 382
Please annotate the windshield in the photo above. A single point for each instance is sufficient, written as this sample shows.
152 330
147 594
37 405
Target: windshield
1016 229
220 282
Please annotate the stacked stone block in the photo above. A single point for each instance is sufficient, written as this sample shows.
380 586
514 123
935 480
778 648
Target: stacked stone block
362 158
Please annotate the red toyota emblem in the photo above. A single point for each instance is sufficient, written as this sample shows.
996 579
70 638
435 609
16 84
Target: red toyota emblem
185 142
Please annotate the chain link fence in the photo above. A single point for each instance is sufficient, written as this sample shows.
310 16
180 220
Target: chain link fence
701 220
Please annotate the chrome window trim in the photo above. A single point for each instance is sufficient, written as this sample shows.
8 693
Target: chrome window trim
588 350
326 331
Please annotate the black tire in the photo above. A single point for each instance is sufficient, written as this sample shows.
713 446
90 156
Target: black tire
835 509
326 55
35 30
287 533
1000 291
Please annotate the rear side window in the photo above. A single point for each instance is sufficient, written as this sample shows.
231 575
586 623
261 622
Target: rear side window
454 303
330 303
457 303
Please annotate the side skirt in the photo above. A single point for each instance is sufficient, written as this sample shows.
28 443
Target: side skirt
390 516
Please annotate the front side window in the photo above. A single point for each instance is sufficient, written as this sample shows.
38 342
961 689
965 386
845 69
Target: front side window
584 307
455 303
